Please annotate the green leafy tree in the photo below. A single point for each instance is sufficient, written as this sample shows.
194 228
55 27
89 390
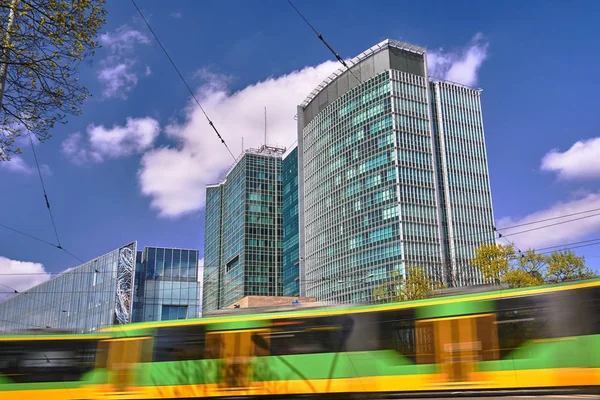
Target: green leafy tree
42 45
528 271
416 286
494 261
501 265
564 266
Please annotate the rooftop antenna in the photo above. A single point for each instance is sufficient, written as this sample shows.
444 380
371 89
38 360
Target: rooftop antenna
265 126
242 144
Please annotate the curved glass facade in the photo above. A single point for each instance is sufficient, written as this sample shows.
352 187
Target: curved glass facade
83 299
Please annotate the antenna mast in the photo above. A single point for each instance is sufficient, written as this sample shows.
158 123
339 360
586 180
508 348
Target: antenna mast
265 126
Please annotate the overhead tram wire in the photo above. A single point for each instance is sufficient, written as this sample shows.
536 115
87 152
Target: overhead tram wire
37 164
559 247
549 219
183 79
337 56
42 240
44 190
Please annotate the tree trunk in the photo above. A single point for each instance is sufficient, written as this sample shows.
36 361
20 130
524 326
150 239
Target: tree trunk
7 37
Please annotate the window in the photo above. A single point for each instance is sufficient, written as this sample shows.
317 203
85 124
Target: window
315 335
520 320
173 312
47 361
179 343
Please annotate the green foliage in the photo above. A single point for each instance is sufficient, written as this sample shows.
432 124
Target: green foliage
501 265
564 266
493 261
416 286
43 42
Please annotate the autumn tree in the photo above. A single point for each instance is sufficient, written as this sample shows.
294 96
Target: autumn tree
417 285
42 45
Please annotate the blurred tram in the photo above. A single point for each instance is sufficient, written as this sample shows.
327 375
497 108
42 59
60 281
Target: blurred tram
540 339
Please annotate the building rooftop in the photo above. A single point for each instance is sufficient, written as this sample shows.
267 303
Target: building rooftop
362 56
264 150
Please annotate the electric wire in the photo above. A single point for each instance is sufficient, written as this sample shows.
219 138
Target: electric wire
337 56
44 190
28 235
42 241
182 78
47 201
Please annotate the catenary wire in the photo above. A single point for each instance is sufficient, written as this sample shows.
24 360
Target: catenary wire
182 78
44 190
41 240
337 56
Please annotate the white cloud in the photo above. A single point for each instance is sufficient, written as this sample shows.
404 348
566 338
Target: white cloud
559 234
175 177
136 136
459 66
148 70
18 165
20 275
123 39
581 161
176 14
118 74
118 80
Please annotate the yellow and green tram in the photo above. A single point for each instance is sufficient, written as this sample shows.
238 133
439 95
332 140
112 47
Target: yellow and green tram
540 339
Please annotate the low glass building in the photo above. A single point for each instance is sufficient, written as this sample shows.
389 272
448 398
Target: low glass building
95 294
122 286
166 285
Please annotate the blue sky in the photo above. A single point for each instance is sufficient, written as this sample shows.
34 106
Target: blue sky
134 165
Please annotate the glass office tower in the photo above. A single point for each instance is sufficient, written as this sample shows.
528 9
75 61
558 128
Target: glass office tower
243 234
370 194
466 203
291 244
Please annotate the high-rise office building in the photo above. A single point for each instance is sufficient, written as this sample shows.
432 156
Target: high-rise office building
243 231
464 186
378 191
291 244
122 286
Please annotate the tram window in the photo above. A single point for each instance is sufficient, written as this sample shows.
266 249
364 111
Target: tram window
47 361
179 343
319 335
574 312
364 335
400 332
518 326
